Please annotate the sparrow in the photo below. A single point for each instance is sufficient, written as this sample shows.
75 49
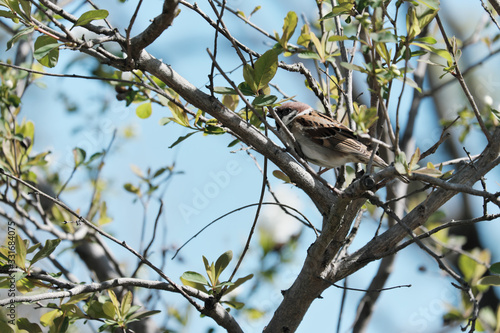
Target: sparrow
322 140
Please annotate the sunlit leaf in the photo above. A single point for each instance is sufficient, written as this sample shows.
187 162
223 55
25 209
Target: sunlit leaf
18 35
265 68
181 138
144 110
490 280
79 156
48 248
90 16
46 51
194 277
222 263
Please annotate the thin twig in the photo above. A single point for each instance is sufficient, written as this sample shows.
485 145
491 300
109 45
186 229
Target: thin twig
463 84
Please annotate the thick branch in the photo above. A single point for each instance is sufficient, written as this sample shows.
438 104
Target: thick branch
156 28
318 192
467 175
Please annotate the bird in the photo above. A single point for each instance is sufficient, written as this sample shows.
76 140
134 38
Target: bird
322 140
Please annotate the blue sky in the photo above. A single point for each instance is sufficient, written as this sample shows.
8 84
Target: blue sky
215 180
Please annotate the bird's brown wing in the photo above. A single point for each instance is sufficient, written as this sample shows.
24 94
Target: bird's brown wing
330 133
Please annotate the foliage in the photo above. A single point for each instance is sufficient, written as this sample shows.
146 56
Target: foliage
379 47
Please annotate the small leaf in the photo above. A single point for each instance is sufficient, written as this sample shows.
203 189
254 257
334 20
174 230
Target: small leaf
79 156
353 67
47 319
281 175
143 314
344 8
164 120
180 116
414 159
109 309
490 280
496 113
131 188
194 277
47 249
90 16
265 68
495 268
26 325
222 263
400 163
144 110
245 89
20 257
77 298
94 157
239 282
225 91
264 100
181 138
248 76
126 303
114 299
289 25
18 35
26 8
46 51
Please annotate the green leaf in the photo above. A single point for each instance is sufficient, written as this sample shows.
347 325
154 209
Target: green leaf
225 91
495 268
26 5
194 277
20 257
400 163
353 67
144 110
47 319
198 286
281 175
180 116
131 188
164 120
496 113
47 249
245 89
234 304
90 16
265 68
210 269
181 138
248 76
344 8
79 156
414 159
289 25
264 100
143 314
77 298
46 51
239 282
109 309
18 35
114 299
490 280
337 38
25 324
94 157
222 263
126 303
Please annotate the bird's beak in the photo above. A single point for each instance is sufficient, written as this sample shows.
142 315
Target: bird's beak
270 115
